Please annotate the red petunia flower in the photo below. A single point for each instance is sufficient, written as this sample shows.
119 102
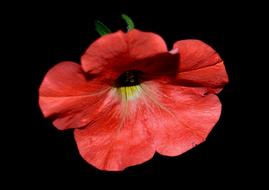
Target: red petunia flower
131 97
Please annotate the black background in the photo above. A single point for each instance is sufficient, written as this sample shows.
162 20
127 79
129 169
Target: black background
54 32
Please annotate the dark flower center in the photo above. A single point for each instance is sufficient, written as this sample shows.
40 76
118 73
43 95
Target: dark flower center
129 78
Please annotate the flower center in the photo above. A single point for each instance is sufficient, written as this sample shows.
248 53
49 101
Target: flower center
127 84
129 78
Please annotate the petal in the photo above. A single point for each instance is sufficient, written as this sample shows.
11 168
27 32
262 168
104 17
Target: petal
213 77
195 54
166 118
144 44
158 67
118 50
200 65
183 117
105 52
117 140
69 98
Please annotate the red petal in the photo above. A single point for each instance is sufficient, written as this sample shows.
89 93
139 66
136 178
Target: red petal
158 67
117 140
144 44
183 117
166 118
69 98
200 65
118 50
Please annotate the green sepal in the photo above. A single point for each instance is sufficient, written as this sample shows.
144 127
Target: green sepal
101 28
128 20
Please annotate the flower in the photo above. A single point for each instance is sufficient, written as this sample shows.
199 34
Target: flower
131 97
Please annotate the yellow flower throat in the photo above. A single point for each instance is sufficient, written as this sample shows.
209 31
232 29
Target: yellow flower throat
128 84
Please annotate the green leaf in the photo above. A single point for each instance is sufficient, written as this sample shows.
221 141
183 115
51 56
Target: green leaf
128 20
101 28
